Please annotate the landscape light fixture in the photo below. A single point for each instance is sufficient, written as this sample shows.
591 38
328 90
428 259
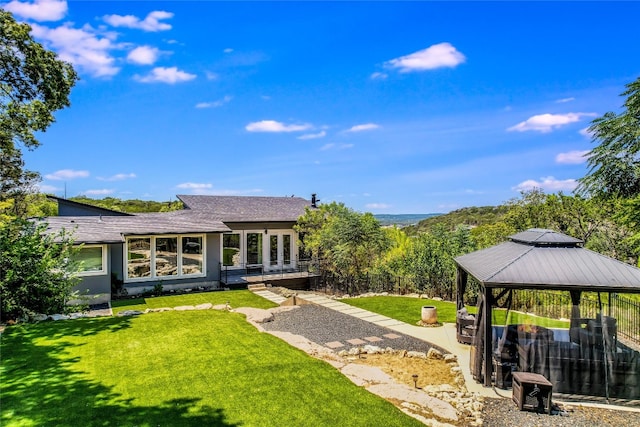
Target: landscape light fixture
415 380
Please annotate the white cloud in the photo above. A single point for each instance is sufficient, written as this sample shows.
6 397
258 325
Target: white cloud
436 56
564 100
273 126
49 189
102 192
320 134
170 75
38 10
65 174
363 127
81 47
549 184
377 206
194 186
333 146
118 177
144 55
228 50
378 76
547 122
574 157
151 23
212 76
214 104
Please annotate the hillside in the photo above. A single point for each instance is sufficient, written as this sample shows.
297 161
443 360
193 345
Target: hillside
402 220
471 216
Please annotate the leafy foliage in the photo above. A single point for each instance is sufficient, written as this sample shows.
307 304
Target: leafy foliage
347 242
35 276
35 273
614 165
34 84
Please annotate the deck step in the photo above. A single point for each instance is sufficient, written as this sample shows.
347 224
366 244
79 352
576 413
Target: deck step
257 287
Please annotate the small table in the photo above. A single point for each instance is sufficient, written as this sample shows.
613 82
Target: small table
529 388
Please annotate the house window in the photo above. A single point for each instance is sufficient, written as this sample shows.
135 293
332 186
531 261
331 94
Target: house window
92 260
254 248
192 255
139 257
231 250
164 257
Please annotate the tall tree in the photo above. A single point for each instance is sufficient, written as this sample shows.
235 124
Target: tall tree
347 242
35 273
614 165
34 84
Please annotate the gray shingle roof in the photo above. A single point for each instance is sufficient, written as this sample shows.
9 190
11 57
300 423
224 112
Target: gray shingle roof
248 208
111 229
564 266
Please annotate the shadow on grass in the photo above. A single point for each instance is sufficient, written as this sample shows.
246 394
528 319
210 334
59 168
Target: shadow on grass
40 387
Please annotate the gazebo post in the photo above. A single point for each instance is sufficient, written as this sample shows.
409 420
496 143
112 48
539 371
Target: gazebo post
488 336
461 279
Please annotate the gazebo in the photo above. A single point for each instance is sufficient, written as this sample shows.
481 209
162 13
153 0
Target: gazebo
587 358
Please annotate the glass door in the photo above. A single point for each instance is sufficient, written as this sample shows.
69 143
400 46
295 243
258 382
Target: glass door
273 250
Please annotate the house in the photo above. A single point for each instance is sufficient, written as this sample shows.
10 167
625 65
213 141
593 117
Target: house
214 242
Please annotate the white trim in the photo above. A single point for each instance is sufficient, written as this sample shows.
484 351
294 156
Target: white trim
103 270
266 249
152 259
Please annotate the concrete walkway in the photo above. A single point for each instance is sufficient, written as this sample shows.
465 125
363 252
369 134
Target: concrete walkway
444 337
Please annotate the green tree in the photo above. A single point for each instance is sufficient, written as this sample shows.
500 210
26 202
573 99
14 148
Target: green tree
34 84
348 243
36 275
614 165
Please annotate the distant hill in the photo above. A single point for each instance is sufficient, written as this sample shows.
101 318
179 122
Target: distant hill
402 220
471 216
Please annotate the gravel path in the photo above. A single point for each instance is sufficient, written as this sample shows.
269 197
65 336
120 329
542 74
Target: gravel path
323 325
504 413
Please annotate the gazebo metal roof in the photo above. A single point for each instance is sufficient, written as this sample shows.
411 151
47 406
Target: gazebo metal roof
545 259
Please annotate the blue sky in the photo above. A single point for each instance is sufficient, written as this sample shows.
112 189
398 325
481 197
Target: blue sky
399 107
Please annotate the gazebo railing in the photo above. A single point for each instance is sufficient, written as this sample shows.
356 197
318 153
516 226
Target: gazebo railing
557 305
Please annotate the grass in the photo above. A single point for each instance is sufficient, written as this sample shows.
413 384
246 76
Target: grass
193 368
241 298
409 310
406 309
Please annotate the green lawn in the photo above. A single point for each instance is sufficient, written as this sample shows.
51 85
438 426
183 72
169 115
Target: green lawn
409 310
406 309
193 368
242 298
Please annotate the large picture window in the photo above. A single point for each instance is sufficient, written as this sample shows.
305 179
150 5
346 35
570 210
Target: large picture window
192 255
92 260
164 257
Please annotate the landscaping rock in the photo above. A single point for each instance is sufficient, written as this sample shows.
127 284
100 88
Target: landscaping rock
129 313
372 349
256 315
435 354
418 354
184 308
450 358
205 306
